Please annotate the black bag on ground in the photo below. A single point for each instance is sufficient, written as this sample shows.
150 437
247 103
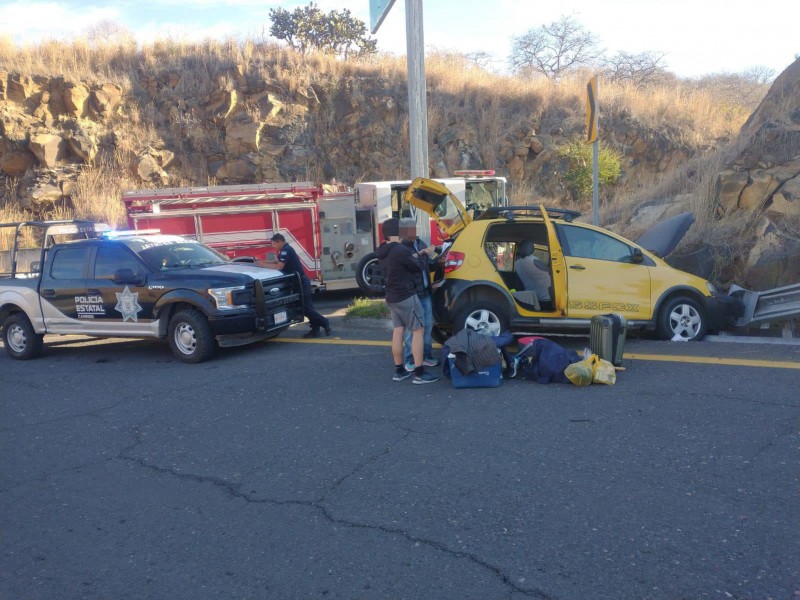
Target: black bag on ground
544 361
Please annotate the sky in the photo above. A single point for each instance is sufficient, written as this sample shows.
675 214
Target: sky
697 37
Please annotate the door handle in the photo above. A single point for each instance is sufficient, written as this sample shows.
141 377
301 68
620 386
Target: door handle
578 267
94 292
48 293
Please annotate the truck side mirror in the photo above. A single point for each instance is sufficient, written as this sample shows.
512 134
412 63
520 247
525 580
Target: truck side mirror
128 276
637 257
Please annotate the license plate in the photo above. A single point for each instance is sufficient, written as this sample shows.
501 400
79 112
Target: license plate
280 317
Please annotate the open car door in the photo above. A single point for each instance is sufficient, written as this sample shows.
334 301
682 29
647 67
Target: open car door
557 265
439 202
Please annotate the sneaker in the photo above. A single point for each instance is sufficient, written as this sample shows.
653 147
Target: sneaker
425 378
430 362
327 329
401 376
311 334
409 366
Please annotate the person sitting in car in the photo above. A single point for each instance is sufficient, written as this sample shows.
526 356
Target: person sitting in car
533 272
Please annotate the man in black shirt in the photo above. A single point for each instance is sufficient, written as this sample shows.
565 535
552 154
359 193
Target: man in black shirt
288 262
399 265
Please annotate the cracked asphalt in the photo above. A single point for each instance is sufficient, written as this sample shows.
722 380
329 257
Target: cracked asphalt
293 470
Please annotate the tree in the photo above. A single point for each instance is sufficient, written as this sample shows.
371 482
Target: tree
643 69
554 49
308 28
107 32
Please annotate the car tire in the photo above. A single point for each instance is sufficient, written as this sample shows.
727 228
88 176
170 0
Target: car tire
368 274
190 336
483 317
20 339
682 316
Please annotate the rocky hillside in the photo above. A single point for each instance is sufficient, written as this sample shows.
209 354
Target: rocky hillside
70 146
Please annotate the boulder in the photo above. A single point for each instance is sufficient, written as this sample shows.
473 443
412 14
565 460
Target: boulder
83 145
728 189
105 100
149 169
242 137
774 259
48 148
16 162
19 88
45 193
76 97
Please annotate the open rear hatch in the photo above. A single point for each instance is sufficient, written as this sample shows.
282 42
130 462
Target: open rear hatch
440 203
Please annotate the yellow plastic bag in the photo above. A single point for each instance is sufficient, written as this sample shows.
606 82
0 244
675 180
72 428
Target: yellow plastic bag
602 371
580 373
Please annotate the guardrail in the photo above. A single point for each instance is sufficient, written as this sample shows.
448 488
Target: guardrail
777 304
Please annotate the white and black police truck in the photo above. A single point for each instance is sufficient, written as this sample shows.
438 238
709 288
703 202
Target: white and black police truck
81 278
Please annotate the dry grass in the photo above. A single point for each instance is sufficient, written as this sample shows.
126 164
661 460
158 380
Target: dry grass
500 105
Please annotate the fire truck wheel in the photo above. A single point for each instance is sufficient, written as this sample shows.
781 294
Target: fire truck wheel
368 274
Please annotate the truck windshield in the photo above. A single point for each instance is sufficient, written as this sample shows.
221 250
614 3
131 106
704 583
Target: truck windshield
163 257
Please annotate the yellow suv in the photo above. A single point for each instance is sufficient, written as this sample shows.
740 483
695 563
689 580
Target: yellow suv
526 269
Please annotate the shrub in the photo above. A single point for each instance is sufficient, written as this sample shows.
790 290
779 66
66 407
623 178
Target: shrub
578 176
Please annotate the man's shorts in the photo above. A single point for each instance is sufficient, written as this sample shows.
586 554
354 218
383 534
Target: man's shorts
408 313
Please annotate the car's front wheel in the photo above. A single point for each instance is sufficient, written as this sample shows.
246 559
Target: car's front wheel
190 336
484 317
20 339
682 317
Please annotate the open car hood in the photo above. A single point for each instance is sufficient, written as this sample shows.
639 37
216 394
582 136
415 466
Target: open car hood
440 203
664 237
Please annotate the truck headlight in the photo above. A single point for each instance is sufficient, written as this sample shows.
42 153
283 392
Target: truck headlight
229 298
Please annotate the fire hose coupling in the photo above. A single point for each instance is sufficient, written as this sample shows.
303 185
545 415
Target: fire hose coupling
349 249
336 257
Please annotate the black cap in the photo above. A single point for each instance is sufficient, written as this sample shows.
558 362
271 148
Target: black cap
391 227
278 238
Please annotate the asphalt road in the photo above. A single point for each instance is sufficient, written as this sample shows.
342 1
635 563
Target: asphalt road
296 469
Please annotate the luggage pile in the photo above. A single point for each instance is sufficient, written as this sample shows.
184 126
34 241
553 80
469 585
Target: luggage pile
475 360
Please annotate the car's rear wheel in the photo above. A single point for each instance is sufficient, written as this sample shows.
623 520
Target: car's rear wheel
682 317
20 339
190 336
368 274
483 316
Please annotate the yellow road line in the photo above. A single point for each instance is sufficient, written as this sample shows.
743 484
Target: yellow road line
716 360
707 360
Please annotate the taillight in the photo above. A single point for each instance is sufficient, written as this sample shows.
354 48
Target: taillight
453 261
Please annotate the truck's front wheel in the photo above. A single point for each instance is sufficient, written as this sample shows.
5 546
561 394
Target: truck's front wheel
20 339
368 274
190 336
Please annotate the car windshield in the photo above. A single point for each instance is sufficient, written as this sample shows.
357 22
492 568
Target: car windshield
180 255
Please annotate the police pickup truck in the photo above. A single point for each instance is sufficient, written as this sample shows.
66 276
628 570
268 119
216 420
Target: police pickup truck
135 284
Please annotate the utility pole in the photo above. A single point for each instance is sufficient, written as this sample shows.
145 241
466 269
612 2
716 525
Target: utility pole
417 97
417 104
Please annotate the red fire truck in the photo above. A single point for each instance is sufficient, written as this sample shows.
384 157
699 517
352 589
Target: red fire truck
334 229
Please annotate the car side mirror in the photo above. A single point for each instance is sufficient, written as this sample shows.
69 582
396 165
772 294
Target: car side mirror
127 276
637 257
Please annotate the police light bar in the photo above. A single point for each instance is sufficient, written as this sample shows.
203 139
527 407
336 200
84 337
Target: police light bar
474 173
130 233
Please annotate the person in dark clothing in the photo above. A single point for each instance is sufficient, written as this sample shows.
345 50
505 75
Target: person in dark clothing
399 265
422 279
288 262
